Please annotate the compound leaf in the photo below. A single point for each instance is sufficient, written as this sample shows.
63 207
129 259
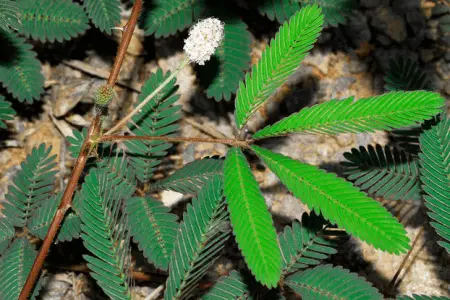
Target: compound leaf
280 10
20 71
32 185
157 118
192 177
230 61
405 75
167 17
325 282
15 264
9 15
204 232
6 112
285 53
39 223
6 233
105 14
232 286
304 245
435 177
49 20
105 233
334 11
391 110
251 221
154 229
385 172
339 201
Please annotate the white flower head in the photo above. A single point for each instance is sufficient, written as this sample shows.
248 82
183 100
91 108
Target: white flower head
204 38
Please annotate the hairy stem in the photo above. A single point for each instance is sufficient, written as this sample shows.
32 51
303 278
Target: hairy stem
125 120
94 130
231 142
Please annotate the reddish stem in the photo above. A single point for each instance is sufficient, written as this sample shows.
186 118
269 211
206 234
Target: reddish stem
93 131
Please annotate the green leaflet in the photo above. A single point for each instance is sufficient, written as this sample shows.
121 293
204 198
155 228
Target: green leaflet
325 282
238 285
391 110
304 245
32 185
158 118
9 15
15 264
435 177
421 297
278 61
339 201
204 232
154 229
104 231
251 221
6 233
76 142
230 287
385 172
191 177
105 14
164 18
6 112
334 11
48 20
405 75
20 71
280 10
222 73
39 223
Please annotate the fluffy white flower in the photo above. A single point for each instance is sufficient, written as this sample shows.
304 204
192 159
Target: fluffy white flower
204 38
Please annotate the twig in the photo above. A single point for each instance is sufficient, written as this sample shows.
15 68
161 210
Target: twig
231 142
154 295
94 129
138 108
405 259
206 129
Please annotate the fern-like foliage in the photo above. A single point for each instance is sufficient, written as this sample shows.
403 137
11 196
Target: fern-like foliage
20 71
153 228
278 61
39 223
251 221
435 177
232 286
280 10
232 58
405 74
391 110
48 20
157 118
192 177
204 232
104 232
334 11
105 14
9 15
164 18
385 172
76 142
305 244
6 112
339 201
15 264
32 185
422 297
325 282
6 233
